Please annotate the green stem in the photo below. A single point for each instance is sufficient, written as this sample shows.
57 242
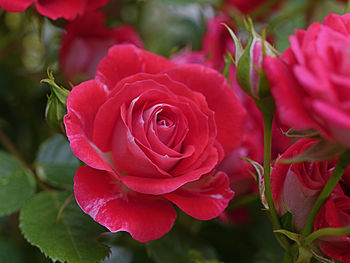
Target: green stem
267 170
342 164
347 9
287 258
328 231
267 108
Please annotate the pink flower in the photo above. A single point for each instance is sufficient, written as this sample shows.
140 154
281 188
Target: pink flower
151 132
54 9
310 81
295 188
86 42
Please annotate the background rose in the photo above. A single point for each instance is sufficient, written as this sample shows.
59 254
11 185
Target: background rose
245 6
150 131
54 8
295 188
336 213
86 42
310 80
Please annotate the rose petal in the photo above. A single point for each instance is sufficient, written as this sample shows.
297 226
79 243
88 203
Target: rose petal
126 60
93 4
111 204
80 119
63 8
203 199
15 5
159 186
287 95
229 113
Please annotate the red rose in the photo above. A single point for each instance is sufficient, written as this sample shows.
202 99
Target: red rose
310 81
54 8
295 188
151 132
217 41
245 6
215 44
336 213
86 42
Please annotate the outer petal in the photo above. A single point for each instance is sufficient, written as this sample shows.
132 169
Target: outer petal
61 8
159 186
287 95
15 5
111 204
229 113
93 4
82 104
203 199
280 170
126 60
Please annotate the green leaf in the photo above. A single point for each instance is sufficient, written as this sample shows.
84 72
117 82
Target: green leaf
55 162
292 236
70 238
287 221
17 184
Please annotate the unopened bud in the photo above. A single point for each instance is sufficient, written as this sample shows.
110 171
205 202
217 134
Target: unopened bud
249 73
56 106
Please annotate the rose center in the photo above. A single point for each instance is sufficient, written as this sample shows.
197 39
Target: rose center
165 128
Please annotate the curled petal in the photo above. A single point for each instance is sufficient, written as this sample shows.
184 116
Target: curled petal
203 199
229 113
111 204
79 122
64 8
126 60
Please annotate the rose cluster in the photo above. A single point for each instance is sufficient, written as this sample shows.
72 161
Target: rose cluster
155 133
310 85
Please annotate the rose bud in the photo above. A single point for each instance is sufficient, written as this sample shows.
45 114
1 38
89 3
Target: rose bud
295 188
86 42
249 73
151 133
54 9
310 80
56 107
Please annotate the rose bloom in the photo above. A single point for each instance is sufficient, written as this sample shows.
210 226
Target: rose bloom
54 9
295 188
310 81
245 6
86 42
151 132
216 42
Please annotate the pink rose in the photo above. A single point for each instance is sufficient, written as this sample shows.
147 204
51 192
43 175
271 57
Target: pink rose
86 42
54 9
310 81
295 188
151 132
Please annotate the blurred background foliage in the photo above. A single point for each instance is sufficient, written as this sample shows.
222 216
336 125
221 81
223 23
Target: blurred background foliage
29 44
